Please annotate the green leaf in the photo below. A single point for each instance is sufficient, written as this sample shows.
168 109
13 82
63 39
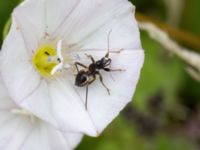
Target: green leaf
6 28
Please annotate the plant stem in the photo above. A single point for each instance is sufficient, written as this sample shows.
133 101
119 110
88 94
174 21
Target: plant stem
180 35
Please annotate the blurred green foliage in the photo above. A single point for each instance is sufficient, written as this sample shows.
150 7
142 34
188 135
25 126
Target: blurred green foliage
6 7
166 101
155 8
190 19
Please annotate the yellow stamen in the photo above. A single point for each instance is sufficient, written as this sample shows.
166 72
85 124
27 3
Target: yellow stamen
45 59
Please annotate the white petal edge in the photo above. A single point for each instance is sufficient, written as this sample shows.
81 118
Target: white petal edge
18 132
16 67
40 18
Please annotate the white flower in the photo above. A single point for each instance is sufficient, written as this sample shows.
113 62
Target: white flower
21 130
30 56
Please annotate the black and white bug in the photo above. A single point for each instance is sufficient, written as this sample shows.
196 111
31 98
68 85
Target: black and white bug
87 75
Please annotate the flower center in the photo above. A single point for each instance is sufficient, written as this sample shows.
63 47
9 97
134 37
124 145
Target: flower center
45 59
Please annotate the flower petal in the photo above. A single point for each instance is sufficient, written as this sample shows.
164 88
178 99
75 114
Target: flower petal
73 139
46 138
103 108
68 109
73 21
16 67
57 103
43 16
4 104
30 92
89 17
122 32
58 11
29 17
18 131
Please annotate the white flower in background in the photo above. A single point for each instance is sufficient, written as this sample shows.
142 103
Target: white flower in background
21 130
40 81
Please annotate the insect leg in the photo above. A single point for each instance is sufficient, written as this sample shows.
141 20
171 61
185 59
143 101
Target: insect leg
86 97
90 56
79 64
117 51
112 70
92 80
87 87
101 79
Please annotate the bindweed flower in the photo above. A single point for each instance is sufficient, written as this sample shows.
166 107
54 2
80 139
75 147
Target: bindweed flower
45 40
21 130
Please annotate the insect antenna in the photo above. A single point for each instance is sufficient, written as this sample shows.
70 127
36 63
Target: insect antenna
108 43
107 54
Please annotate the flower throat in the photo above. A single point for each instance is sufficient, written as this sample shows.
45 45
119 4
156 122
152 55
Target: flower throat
45 59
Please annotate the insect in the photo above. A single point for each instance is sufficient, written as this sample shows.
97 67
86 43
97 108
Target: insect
88 74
